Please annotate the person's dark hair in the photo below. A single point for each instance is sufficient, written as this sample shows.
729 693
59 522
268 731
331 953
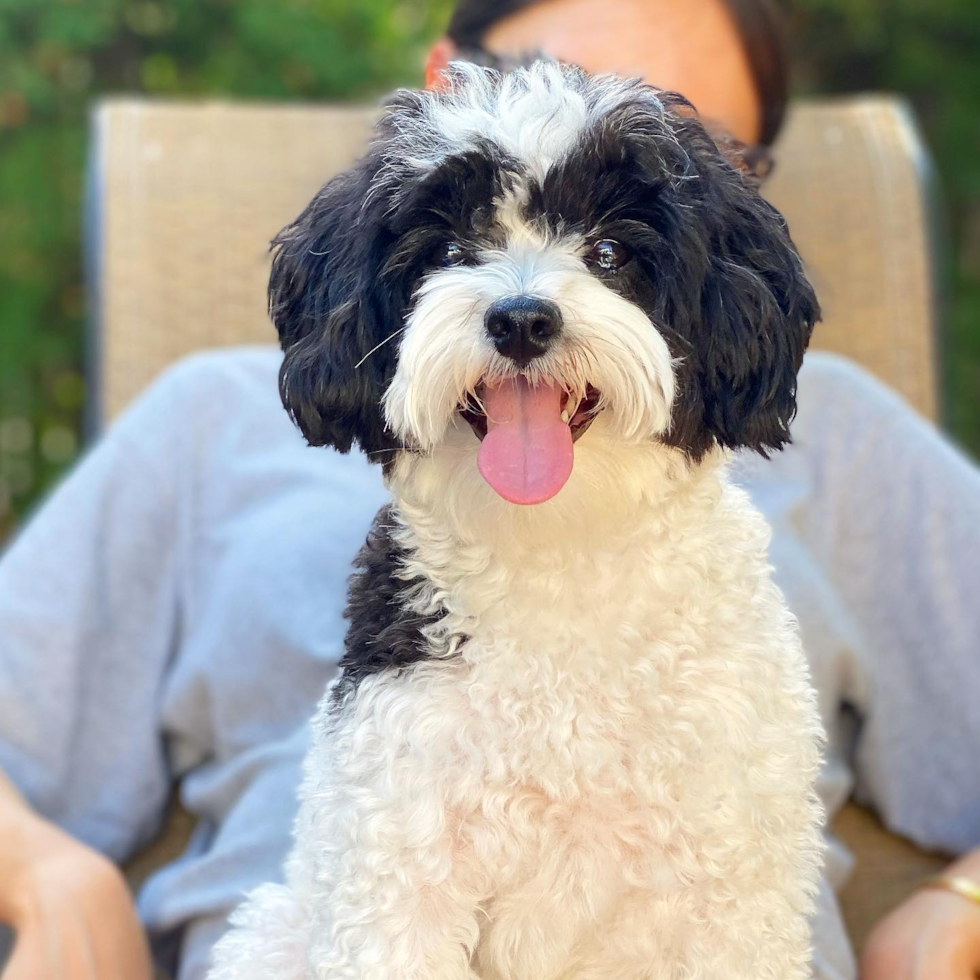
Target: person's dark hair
760 24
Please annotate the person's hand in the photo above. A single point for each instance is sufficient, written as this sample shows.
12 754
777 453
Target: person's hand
934 935
72 913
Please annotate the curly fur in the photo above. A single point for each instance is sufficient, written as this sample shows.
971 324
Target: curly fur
386 634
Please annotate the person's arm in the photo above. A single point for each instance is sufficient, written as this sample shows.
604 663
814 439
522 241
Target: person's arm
895 519
88 612
934 935
68 905
90 605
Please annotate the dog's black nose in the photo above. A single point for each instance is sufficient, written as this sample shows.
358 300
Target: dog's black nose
523 327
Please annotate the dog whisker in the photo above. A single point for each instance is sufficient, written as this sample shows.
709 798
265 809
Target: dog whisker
378 347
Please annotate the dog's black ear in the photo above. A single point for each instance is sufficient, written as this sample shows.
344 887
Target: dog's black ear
758 311
748 309
330 315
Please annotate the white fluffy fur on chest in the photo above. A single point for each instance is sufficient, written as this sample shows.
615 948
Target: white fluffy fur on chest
580 653
603 769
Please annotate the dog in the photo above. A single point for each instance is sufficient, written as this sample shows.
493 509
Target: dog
573 736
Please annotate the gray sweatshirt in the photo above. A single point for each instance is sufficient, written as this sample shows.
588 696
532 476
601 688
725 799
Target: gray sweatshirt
174 612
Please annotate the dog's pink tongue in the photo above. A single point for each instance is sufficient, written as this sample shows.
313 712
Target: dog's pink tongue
527 453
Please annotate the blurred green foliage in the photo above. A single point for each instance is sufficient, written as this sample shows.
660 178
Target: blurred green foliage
56 56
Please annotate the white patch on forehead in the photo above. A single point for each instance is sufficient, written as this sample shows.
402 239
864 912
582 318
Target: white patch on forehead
535 115
510 218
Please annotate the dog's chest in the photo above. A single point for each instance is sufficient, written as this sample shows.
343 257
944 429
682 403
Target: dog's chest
601 735
595 745
588 680
589 667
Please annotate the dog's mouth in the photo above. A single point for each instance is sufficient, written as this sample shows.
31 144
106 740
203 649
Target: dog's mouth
527 433
584 413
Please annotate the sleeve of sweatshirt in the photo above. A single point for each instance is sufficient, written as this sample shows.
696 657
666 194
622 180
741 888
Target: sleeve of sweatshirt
88 621
895 519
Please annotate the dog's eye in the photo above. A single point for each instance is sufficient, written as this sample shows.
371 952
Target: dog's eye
450 254
609 255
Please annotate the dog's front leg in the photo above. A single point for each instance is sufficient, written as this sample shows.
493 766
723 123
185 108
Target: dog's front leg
397 904
400 905
386 875
385 848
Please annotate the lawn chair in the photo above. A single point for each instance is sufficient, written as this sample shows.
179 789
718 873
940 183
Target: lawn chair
184 199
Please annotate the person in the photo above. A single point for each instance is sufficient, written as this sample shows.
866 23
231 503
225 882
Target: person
174 612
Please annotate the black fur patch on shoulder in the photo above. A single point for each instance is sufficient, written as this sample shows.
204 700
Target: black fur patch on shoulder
383 633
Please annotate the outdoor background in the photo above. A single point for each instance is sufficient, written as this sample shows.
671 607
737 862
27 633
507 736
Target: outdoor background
57 56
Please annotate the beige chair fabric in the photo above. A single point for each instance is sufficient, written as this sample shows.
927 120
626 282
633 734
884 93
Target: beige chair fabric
187 197
853 180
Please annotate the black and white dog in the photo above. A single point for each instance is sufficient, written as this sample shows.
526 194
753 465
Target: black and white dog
574 740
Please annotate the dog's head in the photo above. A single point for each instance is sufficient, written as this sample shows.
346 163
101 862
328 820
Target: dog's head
520 255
